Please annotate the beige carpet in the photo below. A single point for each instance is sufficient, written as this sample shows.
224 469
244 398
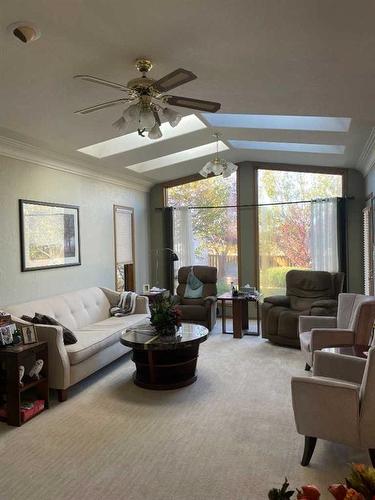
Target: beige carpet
229 436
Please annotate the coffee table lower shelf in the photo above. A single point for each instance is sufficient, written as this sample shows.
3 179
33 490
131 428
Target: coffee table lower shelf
163 370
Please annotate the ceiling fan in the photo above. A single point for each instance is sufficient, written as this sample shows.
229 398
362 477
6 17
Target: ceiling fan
147 98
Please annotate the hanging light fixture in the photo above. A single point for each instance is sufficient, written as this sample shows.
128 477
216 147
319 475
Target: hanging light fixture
218 166
144 115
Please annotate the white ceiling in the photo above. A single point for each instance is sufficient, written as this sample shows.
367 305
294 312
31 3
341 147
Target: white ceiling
287 57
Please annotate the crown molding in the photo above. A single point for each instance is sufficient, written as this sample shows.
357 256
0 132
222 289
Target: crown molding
18 150
366 160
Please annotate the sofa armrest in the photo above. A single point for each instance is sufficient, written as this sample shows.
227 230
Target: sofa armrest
330 337
326 408
339 366
58 360
208 301
142 305
278 300
307 323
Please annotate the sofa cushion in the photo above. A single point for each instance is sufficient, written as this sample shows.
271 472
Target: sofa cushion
43 319
97 336
74 309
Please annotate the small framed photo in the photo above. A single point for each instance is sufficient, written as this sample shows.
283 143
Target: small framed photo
146 288
6 334
29 335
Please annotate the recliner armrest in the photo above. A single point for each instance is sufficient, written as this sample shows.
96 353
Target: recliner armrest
211 299
278 300
325 303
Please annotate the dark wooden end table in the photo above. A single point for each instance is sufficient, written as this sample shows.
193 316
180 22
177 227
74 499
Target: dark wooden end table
165 363
240 313
154 296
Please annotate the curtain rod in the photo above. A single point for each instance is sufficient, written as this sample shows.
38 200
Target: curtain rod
256 205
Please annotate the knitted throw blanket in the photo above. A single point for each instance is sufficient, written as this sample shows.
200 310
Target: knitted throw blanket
126 304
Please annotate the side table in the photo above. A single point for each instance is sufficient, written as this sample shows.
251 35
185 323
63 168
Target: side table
240 314
154 296
11 358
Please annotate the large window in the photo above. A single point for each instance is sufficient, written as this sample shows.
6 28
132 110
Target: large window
124 247
206 236
285 229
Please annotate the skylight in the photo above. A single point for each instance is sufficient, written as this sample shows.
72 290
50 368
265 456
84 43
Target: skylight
279 122
188 124
187 154
295 147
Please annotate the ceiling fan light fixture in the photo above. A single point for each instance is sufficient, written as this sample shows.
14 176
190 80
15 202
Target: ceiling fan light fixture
218 166
172 116
131 113
155 132
120 124
146 119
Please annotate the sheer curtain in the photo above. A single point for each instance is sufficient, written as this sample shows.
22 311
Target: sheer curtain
183 236
324 235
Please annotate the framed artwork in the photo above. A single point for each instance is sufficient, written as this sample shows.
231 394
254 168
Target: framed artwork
29 335
49 235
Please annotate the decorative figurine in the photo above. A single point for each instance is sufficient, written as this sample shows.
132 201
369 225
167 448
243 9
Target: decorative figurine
21 373
36 369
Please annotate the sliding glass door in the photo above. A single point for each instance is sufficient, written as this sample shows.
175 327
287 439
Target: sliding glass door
293 234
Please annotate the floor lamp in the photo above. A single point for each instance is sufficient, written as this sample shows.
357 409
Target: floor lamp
173 255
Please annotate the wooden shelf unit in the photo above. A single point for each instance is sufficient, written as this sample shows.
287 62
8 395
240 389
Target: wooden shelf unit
11 358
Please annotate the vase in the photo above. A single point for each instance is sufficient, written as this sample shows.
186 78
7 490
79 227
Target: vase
167 331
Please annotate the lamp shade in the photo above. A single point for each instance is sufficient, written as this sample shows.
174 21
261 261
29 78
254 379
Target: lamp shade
146 119
155 132
172 116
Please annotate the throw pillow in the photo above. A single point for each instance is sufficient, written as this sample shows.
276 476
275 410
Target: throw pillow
194 286
43 319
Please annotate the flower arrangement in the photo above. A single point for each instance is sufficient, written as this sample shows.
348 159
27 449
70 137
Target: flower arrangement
360 485
165 317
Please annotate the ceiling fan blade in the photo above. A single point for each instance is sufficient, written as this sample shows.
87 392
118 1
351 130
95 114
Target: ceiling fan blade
187 102
174 79
100 81
103 105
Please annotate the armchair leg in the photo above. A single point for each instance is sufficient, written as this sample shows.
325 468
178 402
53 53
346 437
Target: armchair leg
371 452
310 443
307 367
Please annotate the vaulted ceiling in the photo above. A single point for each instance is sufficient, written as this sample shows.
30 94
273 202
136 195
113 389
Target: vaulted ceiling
274 57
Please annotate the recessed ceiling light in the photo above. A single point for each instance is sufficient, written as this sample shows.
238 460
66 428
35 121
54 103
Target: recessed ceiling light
24 31
294 147
181 156
188 124
279 122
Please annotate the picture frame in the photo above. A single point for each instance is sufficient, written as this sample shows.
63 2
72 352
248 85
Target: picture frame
49 235
146 288
29 334
6 334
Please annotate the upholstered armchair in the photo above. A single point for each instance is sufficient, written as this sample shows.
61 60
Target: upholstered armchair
200 310
353 326
337 403
307 293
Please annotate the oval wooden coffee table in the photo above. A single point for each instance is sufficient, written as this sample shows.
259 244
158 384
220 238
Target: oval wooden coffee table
165 363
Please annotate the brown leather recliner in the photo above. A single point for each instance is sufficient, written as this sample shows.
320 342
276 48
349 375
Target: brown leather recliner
203 310
308 293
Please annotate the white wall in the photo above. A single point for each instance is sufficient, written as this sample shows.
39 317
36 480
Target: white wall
20 179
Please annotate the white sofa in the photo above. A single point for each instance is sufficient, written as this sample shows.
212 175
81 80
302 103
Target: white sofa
87 313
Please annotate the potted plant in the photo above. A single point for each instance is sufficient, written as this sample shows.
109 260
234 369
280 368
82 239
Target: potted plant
165 317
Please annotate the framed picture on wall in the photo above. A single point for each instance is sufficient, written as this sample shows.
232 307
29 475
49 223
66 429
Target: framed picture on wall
49 234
